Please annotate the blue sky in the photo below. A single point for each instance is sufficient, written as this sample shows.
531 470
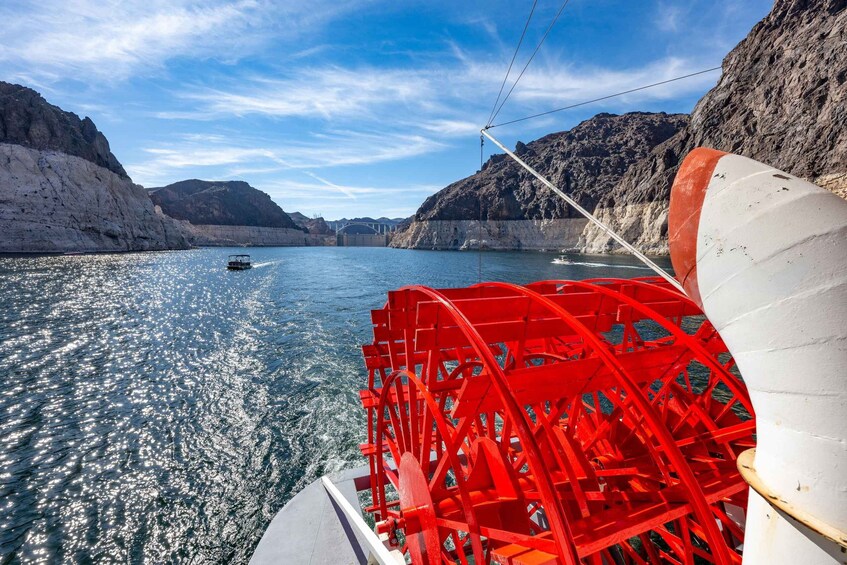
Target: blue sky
349 107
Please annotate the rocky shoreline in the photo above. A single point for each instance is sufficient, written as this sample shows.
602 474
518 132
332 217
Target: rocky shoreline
215 235
517 235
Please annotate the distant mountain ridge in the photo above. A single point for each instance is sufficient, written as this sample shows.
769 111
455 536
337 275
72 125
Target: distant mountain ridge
227 203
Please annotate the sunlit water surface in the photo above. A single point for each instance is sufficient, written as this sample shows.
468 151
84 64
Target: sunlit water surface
157 408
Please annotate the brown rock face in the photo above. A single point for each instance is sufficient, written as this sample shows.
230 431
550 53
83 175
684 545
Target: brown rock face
27 119
226 203
314 226
586 162
318 226
782 100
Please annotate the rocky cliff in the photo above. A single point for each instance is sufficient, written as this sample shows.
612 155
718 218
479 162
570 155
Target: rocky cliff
587 162
782 99
498 235
51 202
62 190
27 119
314 226
257 236
227 203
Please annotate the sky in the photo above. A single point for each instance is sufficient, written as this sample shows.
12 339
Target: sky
346 108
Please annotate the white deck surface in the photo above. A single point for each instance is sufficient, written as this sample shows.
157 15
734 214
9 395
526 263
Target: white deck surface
312 530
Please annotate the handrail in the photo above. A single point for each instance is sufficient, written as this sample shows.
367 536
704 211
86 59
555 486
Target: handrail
375 545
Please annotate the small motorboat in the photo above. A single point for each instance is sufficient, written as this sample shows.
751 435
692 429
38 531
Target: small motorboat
239 263
562 260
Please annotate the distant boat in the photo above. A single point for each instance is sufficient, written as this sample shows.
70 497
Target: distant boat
239 263
562 260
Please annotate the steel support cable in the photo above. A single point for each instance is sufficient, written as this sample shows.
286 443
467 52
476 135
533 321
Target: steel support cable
645 87
606 229
479 226
531 57
512 62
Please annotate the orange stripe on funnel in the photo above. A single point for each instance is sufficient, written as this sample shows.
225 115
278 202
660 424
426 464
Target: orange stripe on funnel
687 195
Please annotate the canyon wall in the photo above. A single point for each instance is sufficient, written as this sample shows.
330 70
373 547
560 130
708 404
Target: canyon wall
782 100
259 236
550 234
516 213
54 202
62 190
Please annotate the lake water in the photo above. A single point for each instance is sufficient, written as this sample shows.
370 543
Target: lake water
157 408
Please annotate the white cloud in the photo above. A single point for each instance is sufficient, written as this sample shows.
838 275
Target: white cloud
111 39
116 39
450 127
319 198
445 101
346 191
357 148
325 93
309 52
561 84
166 162
669 17
287 189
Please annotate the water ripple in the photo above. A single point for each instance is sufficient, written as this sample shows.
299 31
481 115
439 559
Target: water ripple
158 408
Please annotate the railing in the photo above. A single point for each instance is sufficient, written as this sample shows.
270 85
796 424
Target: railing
378 551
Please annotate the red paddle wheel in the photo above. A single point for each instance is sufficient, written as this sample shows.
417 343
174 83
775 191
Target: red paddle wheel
558 422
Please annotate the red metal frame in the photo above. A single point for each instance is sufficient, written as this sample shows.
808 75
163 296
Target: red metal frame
558 422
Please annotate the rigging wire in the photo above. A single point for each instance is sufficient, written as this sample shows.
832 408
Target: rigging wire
512 62
479 230
591 217
537 47
484 133
604 98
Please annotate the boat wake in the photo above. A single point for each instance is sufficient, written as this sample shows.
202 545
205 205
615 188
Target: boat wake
607 265
265 264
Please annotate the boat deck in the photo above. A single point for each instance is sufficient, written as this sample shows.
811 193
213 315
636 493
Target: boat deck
312 528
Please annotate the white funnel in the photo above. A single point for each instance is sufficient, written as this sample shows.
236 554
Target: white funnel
765 255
